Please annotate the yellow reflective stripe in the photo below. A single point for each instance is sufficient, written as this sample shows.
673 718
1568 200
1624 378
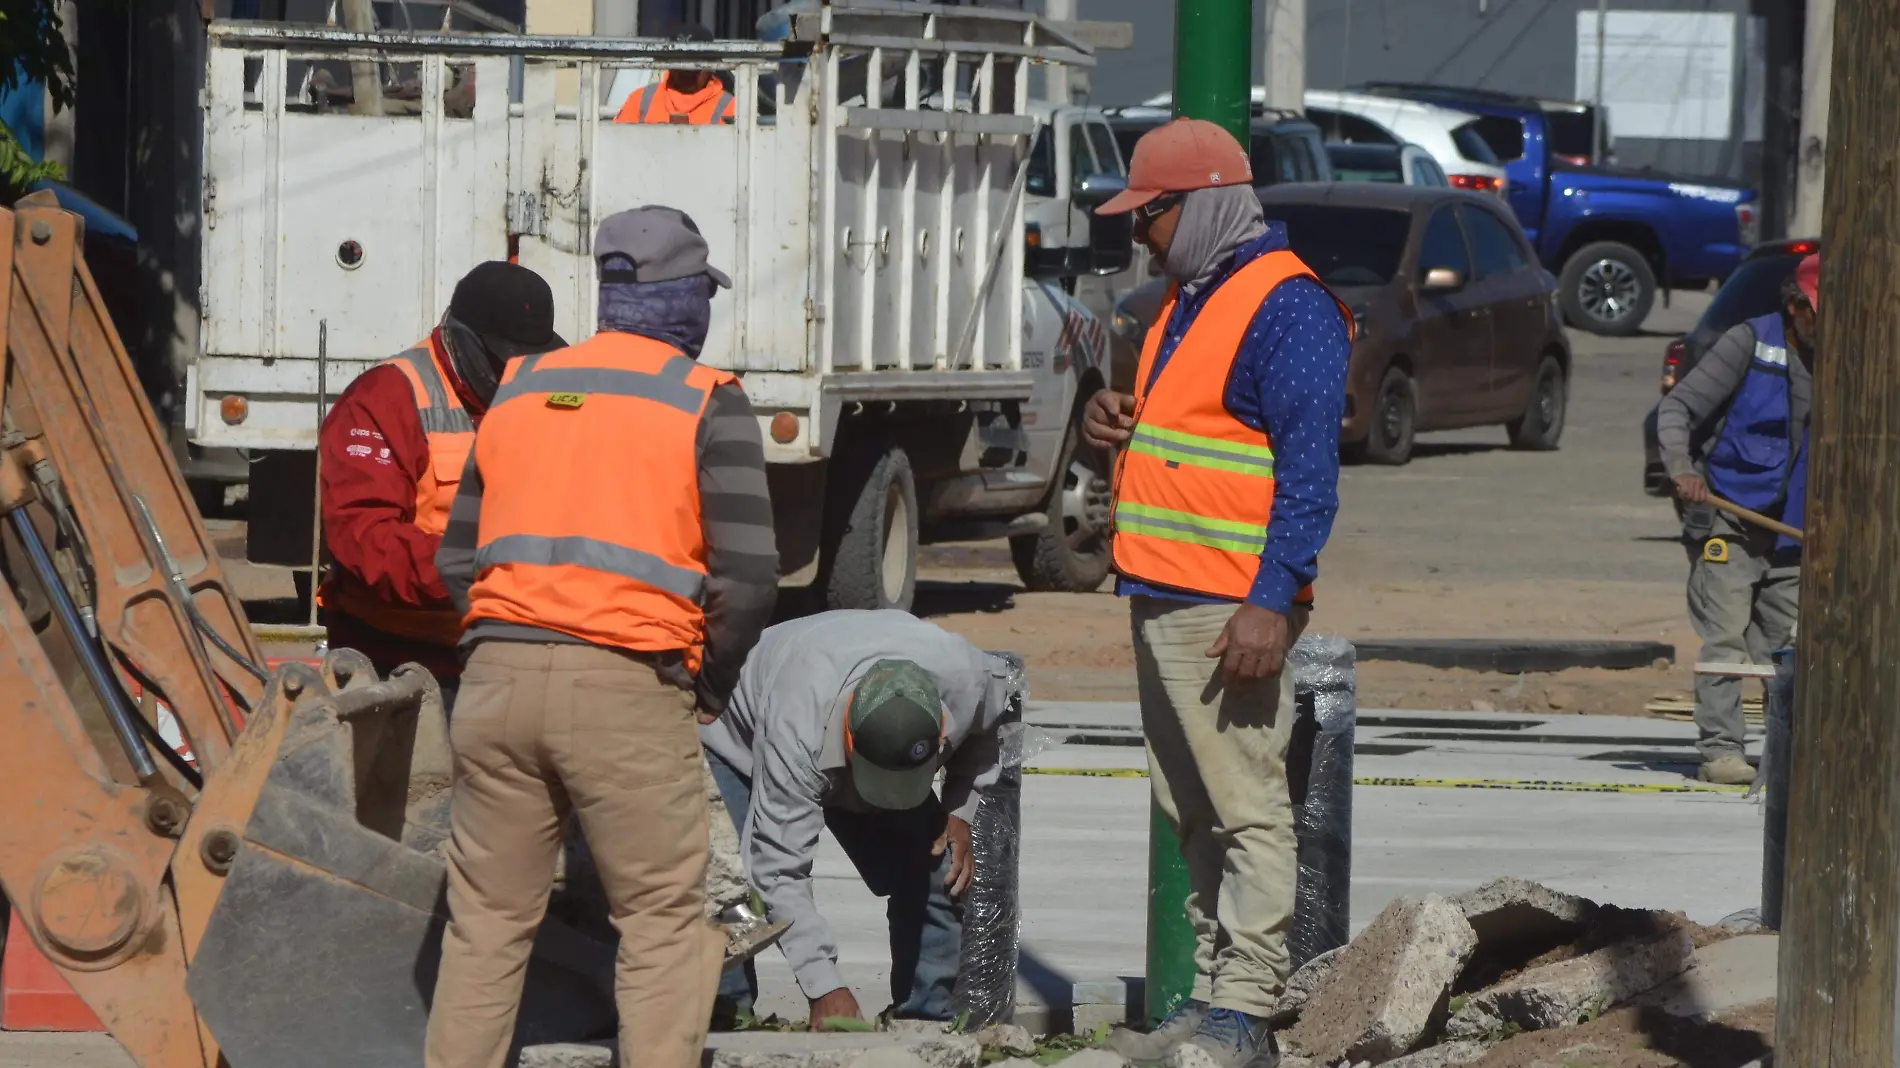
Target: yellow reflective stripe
1197 451
1171 525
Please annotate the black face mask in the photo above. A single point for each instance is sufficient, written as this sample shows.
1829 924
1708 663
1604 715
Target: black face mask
479 368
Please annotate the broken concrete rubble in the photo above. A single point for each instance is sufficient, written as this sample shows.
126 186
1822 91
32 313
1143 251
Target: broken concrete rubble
1301 984
1006 1037
1575 990
778 1049
1388 986
1447 1055
1517 921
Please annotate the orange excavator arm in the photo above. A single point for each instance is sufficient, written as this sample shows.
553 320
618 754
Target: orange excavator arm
275 900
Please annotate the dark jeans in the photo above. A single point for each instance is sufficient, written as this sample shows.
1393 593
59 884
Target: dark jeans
891 851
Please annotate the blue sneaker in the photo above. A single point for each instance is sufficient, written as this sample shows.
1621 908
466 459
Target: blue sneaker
1153 1048
1237 1040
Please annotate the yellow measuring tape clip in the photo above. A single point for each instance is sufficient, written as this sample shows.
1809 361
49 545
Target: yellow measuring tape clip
1534 785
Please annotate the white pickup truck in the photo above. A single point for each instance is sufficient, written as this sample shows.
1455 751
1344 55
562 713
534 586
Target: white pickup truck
913 383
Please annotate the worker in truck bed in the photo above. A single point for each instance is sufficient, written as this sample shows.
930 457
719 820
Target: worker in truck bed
1224 495
682 97
393 447
1736 427
841 721
611 547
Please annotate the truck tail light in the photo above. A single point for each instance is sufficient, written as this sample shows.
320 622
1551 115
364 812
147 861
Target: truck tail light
1803 248
1478 183
1672 362
1748 223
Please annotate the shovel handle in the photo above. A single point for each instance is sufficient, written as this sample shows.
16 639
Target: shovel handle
1756 518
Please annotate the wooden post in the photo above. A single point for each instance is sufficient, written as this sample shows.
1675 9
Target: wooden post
366 78
1841 924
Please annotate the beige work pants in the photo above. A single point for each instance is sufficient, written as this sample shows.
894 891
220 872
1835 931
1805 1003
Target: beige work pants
540 730
1217 762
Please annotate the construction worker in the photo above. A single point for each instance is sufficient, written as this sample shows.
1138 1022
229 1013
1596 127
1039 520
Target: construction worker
393 448
682 97
841 721
1736 427
1226 492
611 547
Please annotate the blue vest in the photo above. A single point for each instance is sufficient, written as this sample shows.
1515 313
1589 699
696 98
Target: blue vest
1756 463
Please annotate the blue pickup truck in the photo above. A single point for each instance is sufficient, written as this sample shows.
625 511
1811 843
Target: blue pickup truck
1611 235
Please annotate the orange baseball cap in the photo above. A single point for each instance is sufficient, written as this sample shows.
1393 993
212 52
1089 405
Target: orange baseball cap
1182 155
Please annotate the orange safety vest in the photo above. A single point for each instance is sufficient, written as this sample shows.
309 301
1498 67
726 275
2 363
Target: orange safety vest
710 105
1194 487
590 512
450 432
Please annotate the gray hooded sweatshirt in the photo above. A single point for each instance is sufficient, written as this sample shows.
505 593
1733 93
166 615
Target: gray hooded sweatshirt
782 731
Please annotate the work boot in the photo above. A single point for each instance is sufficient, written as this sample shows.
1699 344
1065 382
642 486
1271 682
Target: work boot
1728 769
1153 1047
1236 1040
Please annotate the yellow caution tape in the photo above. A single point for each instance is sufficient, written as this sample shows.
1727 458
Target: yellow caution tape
1544 785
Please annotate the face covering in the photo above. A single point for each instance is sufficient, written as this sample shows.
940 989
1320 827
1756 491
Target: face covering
1214 222
479 369
677 311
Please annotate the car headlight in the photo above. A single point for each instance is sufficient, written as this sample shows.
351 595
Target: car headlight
1124 324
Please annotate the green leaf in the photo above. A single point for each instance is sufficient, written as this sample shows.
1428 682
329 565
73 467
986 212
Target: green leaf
846 1023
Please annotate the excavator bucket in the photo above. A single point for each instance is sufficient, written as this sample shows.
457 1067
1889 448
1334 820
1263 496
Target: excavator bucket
267 889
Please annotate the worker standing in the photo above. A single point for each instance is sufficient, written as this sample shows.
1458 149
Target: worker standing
1224 495
612 547
393 448
682 97
1736 427
841 721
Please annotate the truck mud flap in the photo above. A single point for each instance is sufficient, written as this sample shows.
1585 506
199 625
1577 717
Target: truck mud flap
324 944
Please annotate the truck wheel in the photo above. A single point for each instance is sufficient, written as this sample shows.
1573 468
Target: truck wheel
873 547
1394 421
1542 424
1070 555
1607 288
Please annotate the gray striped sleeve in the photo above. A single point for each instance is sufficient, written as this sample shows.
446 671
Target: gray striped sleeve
455 556
1701 398
741 548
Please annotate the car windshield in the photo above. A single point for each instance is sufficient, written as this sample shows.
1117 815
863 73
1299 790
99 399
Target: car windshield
1041 179
1365 163
1754 289
1472 146
1346 246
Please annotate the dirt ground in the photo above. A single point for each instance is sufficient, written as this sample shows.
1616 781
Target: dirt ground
1644 1038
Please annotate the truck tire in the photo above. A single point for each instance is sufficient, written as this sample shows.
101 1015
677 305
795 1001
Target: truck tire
1394 422
1607 288
872 543
1542 424
1070 555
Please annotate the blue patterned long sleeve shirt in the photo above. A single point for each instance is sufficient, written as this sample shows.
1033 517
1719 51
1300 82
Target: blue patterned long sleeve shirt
1289 380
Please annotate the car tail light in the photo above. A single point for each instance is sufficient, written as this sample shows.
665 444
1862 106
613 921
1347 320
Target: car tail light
1672 362
1478 183
1748 223
1803 248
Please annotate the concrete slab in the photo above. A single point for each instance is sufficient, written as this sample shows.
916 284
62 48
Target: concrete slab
1727 975
43 1049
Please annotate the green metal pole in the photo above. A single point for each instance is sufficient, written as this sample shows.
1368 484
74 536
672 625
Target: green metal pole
1213 80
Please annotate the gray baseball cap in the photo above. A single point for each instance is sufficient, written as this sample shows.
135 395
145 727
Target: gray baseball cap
660 243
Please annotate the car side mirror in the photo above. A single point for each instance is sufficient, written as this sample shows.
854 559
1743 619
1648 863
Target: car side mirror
1094 190
1443 280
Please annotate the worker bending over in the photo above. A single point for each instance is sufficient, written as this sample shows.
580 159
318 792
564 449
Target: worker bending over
682 97
1736 426
1225 494
612 548
841 721
393 448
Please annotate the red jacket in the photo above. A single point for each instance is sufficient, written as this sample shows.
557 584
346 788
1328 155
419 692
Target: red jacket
373 455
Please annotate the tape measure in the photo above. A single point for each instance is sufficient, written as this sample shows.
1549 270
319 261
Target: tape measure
1715 550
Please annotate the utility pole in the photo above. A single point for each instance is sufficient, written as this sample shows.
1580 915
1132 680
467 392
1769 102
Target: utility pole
1213 75
1810 167
1841 914
1285 68
366 76
1596 113
1056 75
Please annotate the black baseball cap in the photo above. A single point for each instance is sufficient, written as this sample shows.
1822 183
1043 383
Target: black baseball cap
509 306
894 734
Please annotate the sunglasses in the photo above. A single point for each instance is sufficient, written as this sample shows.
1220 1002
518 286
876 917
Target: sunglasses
1157 207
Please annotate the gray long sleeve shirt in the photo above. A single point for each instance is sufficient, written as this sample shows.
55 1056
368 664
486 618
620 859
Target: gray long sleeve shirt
782 730
1689 418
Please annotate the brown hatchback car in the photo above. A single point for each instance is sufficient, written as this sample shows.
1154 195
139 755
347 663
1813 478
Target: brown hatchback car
1458 324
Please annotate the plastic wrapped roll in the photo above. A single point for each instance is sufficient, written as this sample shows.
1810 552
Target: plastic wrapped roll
1319 772
1776 747
992 908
